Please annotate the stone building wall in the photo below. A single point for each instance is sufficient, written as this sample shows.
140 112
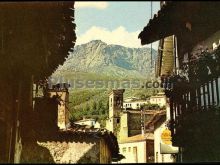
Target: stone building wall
63 112
73 152
61 152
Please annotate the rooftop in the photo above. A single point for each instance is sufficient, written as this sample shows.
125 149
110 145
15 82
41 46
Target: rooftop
135 101
83 120
83 133
117 91
138 138
157 96
49 36
156 120
195 20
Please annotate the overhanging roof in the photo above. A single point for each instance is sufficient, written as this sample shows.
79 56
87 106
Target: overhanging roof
172 18
36 36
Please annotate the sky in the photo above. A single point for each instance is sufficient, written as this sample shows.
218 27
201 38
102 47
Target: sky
117 22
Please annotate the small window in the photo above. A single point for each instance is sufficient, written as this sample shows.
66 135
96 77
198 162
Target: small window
156 157
118 121
135 153
129 149
123 149
134 149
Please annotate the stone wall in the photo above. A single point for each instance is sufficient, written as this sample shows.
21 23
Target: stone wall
73 152
63 112
61 152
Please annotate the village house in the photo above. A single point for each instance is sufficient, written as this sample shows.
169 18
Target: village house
78 144
124 122
137 149
188 64
53 140
36 38
134 103
130 126
164 152
160 99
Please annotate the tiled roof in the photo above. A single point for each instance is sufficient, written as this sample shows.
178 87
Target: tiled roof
85 129
172 17
138 138
117 91
156 118
83 133
90 132
135 101
147 112
147 32
157 96
83 120
40 36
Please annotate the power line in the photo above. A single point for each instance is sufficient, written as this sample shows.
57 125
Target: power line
151 3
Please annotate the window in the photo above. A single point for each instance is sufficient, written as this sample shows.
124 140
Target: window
156 157
118 121
118 101
129 149
111 102
162 158
135 154
124 149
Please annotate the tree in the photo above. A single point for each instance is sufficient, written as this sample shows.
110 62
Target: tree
86 109
101 108
93 108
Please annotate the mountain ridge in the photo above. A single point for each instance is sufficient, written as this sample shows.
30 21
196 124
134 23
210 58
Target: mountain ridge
108 59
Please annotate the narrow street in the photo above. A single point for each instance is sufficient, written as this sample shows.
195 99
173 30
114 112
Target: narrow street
108 82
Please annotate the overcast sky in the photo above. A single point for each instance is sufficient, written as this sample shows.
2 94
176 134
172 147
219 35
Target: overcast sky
113 22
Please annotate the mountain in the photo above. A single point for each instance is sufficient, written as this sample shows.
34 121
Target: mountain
97 57
97 60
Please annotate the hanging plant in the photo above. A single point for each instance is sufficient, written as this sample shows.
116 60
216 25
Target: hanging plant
179 83
211 63
199 69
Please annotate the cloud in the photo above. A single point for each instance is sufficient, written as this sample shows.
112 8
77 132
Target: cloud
95 4
118 36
